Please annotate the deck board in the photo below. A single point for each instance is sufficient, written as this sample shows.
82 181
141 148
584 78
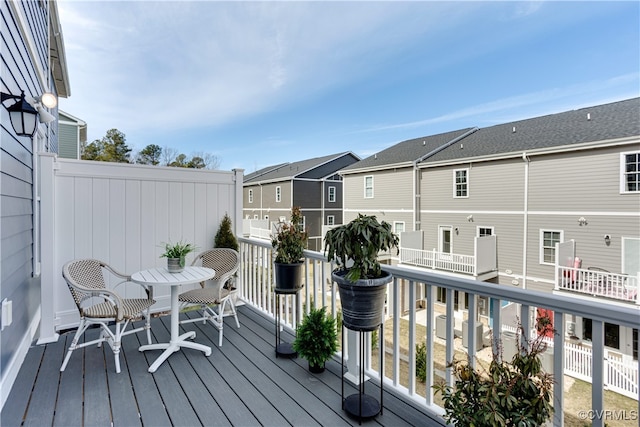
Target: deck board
242 383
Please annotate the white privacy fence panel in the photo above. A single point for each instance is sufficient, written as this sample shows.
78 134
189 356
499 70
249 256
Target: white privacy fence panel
123 214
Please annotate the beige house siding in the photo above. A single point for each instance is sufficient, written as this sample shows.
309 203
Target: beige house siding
392 196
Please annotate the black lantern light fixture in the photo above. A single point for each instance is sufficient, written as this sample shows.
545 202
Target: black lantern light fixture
22 114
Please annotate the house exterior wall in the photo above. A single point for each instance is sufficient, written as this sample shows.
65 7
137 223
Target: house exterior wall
392 196
255 207
68 141
25 56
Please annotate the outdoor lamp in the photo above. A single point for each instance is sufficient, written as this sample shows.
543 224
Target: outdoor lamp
21 114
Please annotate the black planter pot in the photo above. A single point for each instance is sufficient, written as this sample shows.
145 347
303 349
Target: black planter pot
362 301
289 277
316 369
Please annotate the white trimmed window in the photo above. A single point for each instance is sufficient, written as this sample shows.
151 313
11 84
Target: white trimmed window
548 240
398 227
485 231
332 194
368 187
331 220
630 172
461 183
278 194
250 196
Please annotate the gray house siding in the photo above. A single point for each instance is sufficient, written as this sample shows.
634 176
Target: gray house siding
307 194
68 141
392 194
20 71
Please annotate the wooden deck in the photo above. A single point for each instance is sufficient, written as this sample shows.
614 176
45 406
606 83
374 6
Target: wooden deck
242 383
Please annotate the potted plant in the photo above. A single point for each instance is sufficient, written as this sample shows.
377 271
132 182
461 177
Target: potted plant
510 393
289 243
361 281
316 339
176 255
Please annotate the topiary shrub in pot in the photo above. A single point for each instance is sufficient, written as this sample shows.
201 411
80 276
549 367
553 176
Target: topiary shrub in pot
289 243
510 393
361 282
316 339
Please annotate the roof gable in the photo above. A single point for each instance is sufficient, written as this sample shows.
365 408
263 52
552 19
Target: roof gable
309 168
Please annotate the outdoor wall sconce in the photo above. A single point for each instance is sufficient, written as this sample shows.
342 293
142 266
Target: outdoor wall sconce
456 230
24 111
582 221
470 218
21 114
607 239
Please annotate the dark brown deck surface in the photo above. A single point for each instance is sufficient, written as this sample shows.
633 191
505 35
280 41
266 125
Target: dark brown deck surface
242 383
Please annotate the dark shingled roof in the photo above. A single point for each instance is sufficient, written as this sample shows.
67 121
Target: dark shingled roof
287 171
407 151
592 124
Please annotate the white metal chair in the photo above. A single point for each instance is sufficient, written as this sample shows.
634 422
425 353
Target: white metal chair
226 263
100 306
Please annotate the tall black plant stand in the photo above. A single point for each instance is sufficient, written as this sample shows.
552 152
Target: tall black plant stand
360 405
284 349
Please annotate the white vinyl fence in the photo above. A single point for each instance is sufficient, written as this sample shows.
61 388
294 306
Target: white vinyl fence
123 214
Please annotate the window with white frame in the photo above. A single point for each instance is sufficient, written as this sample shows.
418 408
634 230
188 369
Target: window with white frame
332 194
630 172
331 220
398 227
461 183
485 231
250 196
278 193
548 240
368 187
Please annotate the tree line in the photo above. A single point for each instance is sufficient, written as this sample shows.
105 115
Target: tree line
113 148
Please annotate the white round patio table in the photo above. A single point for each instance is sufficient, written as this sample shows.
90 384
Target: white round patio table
161 277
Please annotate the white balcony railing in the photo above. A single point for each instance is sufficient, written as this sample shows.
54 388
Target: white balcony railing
257 290
455 263
598 283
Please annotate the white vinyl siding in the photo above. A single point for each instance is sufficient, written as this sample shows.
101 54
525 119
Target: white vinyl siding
460 183
332 194
368 187
548 240
630 172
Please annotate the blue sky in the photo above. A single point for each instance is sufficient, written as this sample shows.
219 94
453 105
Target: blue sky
260 83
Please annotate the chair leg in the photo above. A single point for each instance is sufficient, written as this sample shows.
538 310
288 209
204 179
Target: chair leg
233 310
116 346
81 328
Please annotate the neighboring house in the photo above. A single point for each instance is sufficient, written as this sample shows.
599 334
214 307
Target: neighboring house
493 203
313 184
72 133
34 61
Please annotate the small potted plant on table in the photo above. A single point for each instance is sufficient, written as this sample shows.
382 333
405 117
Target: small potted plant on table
316 339
289 243
176 255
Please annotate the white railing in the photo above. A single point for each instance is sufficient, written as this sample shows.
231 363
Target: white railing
260 233
621 287
621 375
455 263
257 284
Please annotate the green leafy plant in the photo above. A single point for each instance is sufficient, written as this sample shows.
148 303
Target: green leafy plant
178 250
225 237
360 241
290 240
515 393
316 337
421 361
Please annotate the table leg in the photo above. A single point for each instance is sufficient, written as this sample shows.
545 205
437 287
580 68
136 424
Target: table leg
177 341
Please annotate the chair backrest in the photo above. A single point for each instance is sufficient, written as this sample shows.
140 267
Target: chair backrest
83 276
224 261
